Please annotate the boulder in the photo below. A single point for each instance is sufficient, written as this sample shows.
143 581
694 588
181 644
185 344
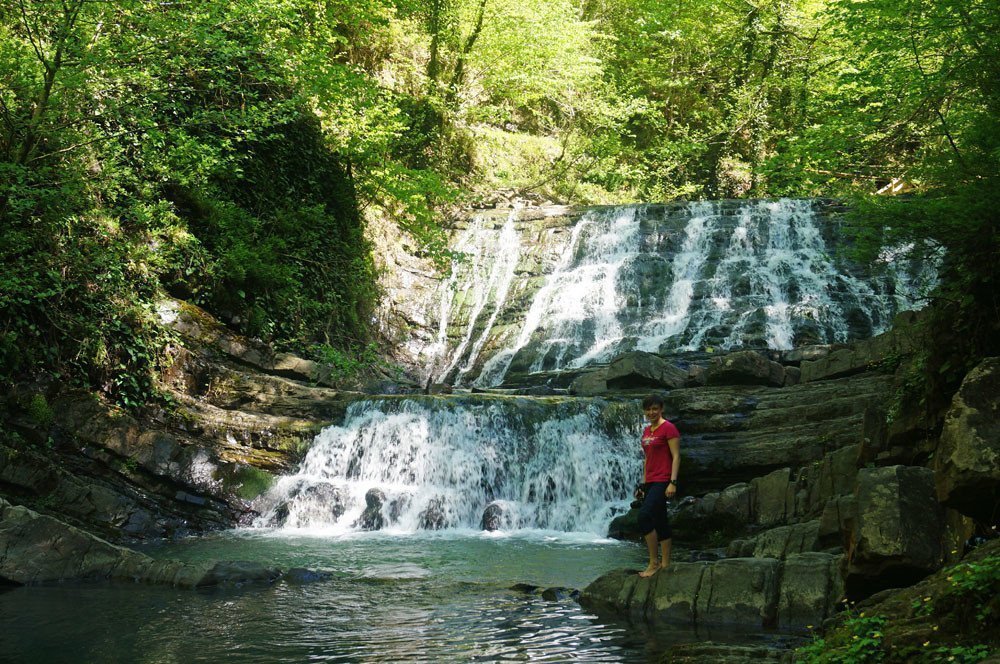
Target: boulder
639 370
492 517
771 497
745 367
590 384
433 516
967 463
812 585
739 590
371 518
897 529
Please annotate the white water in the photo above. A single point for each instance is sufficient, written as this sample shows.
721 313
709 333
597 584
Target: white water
441 464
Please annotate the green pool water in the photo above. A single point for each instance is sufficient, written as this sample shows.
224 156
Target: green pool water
431 597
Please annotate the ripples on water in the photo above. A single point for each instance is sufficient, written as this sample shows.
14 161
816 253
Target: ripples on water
418 598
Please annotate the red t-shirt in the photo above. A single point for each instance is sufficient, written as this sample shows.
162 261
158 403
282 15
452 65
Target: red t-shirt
659 461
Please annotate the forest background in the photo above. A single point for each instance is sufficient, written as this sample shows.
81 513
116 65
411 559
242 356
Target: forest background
233 153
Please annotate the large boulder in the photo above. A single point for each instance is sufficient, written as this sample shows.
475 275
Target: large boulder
639 370
967 463
371 518
745 367
35 548
898 527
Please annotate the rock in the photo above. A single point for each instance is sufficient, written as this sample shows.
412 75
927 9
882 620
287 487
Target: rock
720 653
812 585
492 517
780 542
559 594
371 518
897 530
625 526
745 368
967 463
739 590
640 370
754 592
301 575
736 501
237 573
433 516
771 497
39 549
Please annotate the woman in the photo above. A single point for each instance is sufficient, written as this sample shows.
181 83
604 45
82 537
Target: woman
661 443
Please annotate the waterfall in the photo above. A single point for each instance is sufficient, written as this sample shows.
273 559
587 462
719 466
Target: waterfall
439 464
665 278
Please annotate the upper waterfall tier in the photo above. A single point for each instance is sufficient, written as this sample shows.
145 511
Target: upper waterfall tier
540 293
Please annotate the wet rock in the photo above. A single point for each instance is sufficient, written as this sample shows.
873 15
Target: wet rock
967 464
640 370
237 573
559 594
301 575
433 517
745 368
371 518
590 384
625 526
492 517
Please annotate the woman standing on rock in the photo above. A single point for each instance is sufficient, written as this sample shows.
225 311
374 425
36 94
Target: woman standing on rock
661 446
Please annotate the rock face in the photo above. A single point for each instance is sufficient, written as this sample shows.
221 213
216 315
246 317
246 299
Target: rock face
898 528
967 464
802 590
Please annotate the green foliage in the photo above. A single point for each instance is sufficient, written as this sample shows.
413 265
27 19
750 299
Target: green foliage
39 411
252 482
349 363
974 594
858 641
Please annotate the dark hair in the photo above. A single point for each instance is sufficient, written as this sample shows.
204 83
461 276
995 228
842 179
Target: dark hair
652 400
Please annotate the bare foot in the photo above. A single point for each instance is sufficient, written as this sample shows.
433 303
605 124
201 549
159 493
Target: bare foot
649 571
664 565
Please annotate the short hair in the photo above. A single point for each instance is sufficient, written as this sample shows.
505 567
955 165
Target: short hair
652 400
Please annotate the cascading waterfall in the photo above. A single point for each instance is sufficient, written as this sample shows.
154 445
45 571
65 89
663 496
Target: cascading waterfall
440 464
564 294
717 275
487 281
